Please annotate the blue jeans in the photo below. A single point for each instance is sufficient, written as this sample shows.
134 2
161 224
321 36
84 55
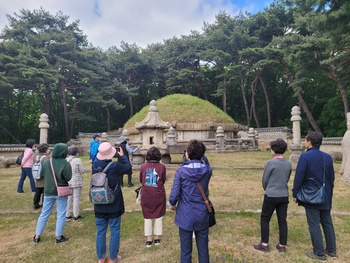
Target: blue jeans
314 218
61 204
270 204
101 230
26 172
201 242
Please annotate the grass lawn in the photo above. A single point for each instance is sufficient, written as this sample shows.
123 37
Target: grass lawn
235 190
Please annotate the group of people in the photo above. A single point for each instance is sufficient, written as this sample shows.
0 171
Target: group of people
185 197
314 169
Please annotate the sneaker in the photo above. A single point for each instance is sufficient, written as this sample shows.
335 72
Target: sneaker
20 192
36 240
332 254
68 218
311 254
157 242
261 247
281 249
78 217
118 259
102 260
130 185
149 243
62 239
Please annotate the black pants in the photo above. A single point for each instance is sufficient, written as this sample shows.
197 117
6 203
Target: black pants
270 204
38 193
129 173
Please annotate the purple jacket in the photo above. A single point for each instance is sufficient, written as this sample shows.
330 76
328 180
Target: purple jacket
191 211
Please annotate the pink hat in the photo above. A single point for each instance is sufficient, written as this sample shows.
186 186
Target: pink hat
106 151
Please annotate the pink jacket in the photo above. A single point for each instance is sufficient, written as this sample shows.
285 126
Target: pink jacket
28 158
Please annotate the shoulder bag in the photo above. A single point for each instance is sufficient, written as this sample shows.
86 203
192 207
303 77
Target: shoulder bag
313 195
61 190
210 207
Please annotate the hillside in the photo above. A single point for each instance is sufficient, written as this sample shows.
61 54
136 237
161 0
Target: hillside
182 108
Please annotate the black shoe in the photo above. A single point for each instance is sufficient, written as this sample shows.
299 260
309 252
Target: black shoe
149 243
68 218
36 240
157 242
37 206
311 254
332 254
281 249
78 217
130 185
62 239
20 192
261 247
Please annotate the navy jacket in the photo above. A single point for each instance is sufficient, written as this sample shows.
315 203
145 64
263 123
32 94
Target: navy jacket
115 172
311 164
191 211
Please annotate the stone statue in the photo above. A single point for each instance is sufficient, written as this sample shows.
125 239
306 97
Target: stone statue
345 164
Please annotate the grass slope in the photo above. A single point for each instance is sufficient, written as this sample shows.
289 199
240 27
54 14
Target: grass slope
183 109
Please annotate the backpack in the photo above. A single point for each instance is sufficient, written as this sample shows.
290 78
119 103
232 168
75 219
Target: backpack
37 167
100 193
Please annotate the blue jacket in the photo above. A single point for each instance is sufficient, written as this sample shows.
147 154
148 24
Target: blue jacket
114 172
94 144
191 211
311 165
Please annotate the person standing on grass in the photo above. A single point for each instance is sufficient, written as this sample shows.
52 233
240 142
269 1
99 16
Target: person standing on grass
315 164
63 173
153 198
123 143
40 183
76 183
26 166
110 214
275 184
94 144
186 199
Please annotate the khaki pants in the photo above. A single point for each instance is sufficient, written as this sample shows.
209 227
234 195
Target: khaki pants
158 227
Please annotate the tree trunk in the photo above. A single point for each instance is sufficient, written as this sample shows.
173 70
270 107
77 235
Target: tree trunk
252 106
300 98
268 111
65 110
333 76
244 98
108 119
224 96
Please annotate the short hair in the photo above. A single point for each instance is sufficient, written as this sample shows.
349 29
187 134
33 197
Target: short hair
73 150
30 143
195 149
279 146
42 148
315 138
153 153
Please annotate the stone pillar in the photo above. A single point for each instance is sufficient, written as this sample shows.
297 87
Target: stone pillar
171 136
251 137
220 139
44 128
104 137
297 147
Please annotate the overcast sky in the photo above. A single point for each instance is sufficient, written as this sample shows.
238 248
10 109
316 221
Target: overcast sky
108 22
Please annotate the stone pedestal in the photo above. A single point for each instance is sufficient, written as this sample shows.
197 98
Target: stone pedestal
297 150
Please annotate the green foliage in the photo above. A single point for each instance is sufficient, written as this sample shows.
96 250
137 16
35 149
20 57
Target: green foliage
255 68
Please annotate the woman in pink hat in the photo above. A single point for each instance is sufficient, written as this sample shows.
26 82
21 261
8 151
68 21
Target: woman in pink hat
110 214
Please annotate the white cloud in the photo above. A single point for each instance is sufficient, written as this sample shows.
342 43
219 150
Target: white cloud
108 22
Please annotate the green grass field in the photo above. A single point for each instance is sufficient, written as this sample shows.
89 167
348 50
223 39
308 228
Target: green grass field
235 190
